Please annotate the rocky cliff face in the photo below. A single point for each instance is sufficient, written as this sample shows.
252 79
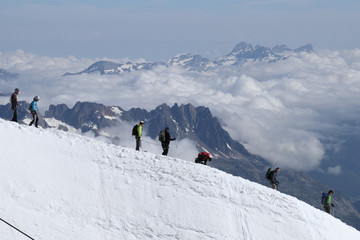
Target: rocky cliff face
85 116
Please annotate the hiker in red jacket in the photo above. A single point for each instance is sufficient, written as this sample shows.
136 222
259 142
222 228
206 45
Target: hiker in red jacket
203 157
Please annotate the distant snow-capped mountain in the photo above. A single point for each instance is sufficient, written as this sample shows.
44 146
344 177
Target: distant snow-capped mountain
108 67
191 61
307 48
242 53
281 49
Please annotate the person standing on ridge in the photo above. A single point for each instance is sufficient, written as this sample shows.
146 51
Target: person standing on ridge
328 204
273 181
138 135
14 104
33 110
165 144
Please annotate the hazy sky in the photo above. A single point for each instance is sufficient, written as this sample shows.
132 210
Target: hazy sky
160 29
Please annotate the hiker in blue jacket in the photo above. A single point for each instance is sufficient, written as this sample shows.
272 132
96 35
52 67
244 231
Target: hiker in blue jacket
33 110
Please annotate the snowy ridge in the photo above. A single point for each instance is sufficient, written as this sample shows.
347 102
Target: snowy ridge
57 185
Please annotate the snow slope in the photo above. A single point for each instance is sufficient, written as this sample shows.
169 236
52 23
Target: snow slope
58 185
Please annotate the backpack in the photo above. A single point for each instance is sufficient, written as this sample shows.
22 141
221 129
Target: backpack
30 107
203 156
323 197
162 136
268 174
135 130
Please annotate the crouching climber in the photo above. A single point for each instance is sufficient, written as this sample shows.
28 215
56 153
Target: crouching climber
202 158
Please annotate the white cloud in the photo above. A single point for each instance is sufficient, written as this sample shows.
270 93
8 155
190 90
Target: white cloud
335 170
282 111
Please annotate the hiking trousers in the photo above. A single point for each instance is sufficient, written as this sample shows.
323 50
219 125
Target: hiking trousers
35 118
165 148
138 143
273 186
14 118
327 208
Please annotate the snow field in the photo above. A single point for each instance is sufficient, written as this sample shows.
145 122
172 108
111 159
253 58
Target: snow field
57 185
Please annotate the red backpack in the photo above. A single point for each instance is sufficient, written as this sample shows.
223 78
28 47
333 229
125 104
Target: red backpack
202 156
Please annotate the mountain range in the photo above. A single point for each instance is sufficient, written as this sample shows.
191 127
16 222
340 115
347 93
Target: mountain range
187 122
241 54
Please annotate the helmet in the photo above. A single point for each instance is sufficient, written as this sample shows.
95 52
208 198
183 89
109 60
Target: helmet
36 98
17 90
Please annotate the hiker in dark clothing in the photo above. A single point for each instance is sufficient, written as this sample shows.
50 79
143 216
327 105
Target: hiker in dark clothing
165 144
327 202
138 135
273 181
33 110
14 104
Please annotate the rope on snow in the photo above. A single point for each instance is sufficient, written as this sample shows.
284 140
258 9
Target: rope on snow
16 229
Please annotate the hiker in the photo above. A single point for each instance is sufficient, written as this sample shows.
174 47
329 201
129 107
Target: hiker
14 104
165 141
272 177
138 135
203 157
33 110
327 202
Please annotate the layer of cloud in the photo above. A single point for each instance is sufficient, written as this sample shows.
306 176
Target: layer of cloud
335 170
282 111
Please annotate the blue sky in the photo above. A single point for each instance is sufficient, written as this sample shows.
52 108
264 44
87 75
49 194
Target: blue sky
160 29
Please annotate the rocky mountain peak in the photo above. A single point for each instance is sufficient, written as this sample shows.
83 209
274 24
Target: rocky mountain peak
189 61
241 47
281 48
306 48
85 115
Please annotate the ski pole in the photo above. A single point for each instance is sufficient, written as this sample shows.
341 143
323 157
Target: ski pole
16 228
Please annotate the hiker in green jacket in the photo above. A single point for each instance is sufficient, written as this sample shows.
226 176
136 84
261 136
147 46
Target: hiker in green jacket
139 134
328 204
